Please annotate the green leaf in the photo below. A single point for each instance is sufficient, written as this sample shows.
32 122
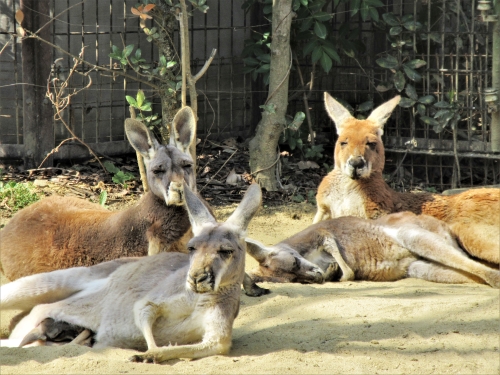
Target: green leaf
399 81
131 101
138 53
269 108
396 30
406 103
326 62
412 25
264 68
442 104
316 55
412 74
429 120
292 142
297 121
428 99
250 61
265 58
110 167
384 86
163 60
320 30
389 62
330 50
415 64
103 197
366 106
309 47
390 19
140 98
411 92
322 16
128 50
421 109
171 64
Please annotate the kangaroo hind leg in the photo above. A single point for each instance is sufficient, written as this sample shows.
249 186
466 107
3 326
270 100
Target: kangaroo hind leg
440 274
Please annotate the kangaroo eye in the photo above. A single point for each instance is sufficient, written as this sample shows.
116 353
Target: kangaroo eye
372 145
191 249
158 171
344 143
225 253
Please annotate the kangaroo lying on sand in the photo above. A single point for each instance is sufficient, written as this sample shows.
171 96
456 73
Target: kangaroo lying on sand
355 187
146 303
70 232
390 248
63 232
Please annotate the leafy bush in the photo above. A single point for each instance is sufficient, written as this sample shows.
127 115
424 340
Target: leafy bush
17 195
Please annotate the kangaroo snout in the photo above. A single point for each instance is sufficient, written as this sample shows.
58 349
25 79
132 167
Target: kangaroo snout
202 281
356 166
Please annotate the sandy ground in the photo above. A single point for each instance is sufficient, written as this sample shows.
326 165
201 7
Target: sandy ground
410 326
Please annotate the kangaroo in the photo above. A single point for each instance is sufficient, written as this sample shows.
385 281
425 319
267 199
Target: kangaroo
355 187
389 248
63 232
146 303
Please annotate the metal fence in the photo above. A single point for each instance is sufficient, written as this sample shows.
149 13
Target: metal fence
458 57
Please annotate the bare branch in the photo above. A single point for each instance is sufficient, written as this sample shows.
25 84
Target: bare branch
205 66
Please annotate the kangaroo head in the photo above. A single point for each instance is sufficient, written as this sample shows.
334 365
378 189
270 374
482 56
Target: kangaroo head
281 263
217 250
167 166
359 150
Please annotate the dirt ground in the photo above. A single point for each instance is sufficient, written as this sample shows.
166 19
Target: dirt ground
404 327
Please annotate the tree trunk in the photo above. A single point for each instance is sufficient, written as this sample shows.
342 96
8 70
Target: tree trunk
263 155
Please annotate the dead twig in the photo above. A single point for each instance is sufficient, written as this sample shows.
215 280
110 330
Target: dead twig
61 101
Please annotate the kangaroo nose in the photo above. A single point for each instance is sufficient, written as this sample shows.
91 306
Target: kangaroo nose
357 162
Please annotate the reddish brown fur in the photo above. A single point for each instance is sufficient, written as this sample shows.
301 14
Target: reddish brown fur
473 216
91 235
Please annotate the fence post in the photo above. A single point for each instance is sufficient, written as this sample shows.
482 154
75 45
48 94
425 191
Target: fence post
495 77
38 127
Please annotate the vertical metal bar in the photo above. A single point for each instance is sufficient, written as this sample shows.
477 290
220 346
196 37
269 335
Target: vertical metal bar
97 97
82 79
19 100
37 111
495 80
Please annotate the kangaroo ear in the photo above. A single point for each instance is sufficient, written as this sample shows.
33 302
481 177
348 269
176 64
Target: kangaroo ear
183 129
380 114
248 207
141 138
199 215
257 250
337 112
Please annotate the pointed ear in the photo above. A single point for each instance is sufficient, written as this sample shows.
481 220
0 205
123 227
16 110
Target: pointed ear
183 129
380 114
141 138
337 112
247 208
257 250
199 214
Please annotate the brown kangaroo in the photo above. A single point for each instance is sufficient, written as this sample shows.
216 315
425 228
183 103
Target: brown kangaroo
389 248
355 187
145 303
62 232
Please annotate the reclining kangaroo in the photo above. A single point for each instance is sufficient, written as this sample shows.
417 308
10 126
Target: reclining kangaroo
146 303
390 248
355 187
70 232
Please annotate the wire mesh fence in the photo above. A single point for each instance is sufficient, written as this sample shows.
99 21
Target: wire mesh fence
457 52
